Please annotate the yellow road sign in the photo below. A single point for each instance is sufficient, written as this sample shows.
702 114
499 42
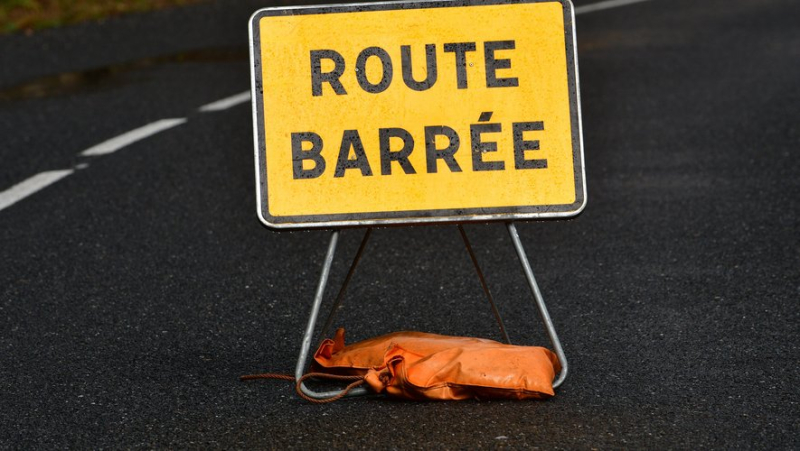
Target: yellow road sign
413 112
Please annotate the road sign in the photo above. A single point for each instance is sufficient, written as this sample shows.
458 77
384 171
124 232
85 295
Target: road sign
415 112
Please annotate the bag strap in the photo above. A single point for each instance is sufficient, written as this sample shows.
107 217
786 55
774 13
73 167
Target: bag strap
357 381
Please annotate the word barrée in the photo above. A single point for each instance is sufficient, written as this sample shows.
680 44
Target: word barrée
308 146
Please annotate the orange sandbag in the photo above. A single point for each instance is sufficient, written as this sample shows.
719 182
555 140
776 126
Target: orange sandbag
357 359
421 366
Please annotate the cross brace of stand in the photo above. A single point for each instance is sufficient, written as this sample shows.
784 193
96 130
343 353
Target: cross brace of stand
323 281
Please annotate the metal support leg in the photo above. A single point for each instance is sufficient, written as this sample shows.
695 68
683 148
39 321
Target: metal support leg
484 284
312 321
340 297
548 323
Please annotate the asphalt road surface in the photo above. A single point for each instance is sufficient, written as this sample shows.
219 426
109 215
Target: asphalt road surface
136 283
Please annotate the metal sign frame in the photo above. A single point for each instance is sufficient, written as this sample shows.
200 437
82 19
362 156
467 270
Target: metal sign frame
417 216
308 336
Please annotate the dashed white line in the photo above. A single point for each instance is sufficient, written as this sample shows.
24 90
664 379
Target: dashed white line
605 5
44 179
27 187
127 138
228 102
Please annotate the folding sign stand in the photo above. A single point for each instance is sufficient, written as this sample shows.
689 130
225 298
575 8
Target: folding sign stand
323 281
492 133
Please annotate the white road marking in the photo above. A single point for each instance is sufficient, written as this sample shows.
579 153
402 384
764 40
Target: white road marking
127 138
605 5
27 187
228 102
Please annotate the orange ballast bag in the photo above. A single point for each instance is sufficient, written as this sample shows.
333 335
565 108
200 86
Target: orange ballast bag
422 366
